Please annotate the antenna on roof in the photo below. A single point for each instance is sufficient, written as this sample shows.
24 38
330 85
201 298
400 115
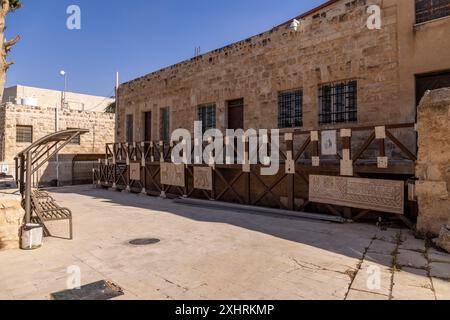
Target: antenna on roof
197 51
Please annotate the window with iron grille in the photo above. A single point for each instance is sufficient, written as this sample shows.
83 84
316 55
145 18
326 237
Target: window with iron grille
338 102
77 140
427 10
207 115
130 128
165 124
290 109
24 134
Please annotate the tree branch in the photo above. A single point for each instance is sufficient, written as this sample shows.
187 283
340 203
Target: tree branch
9 44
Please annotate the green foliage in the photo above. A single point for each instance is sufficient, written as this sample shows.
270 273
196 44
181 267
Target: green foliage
111 108
15 4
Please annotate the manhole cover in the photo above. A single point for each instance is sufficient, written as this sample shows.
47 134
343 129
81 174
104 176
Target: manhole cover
144 242
101 290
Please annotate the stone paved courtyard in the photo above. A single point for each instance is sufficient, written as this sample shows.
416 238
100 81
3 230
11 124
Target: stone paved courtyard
218 254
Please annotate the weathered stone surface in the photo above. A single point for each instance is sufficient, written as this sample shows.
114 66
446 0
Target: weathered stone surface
257 68
356 295
382 247
442 289
203 178
11 218
440 270
385 195
413 244
412 284
172 175
438 256
444 239
433 162
367 278
412 259
101 126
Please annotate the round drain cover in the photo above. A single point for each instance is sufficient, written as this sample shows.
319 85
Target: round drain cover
144 242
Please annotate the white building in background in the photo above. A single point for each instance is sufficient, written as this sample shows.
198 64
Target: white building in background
31 96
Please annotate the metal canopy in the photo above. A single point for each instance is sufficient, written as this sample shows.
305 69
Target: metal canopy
30 160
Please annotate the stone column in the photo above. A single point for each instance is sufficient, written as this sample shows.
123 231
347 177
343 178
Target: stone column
11 220
433 164
444 238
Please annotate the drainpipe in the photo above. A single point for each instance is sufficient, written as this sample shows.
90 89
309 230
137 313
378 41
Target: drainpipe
57 155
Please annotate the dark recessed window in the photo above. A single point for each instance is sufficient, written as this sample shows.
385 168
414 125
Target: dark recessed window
207 115
24 134
165 124
290 109
77 140
130 128
338 102
427 10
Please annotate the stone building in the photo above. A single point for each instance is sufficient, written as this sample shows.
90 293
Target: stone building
331 67
21 125
23 95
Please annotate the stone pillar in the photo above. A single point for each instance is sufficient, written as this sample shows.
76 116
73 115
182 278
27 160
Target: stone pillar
11 220
444 238
433 164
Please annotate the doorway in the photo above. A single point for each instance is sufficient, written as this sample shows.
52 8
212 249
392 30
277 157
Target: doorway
147 126
236 114
431 81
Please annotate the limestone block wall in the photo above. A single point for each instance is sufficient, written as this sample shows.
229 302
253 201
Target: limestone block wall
334 44
101 128
52 98
433 165
11 219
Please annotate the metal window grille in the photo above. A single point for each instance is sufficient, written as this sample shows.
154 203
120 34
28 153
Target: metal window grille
130 128
165 124
24 134
207 115
427 10
290 109
338 102
76 140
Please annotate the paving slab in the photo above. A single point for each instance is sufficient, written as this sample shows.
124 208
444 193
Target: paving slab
413 244
440 270
204 253
365 296
412 284
438 256
411 259
382 247
442 289
374 278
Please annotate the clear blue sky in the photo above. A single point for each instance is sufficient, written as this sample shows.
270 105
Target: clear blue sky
132 37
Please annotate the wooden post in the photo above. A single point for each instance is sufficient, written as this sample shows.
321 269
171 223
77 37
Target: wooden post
143 170
128 189
290 170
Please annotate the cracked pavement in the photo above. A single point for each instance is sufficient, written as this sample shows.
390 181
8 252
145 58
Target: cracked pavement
209 253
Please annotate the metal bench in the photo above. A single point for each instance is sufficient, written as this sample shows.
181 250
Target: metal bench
46 209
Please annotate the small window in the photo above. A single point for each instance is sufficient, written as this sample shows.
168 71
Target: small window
77 140
207 115
427 10
24 134
338 102
165 124
130 128
290 109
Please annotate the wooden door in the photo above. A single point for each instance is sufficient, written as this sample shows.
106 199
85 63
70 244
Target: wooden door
236 114
147 126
